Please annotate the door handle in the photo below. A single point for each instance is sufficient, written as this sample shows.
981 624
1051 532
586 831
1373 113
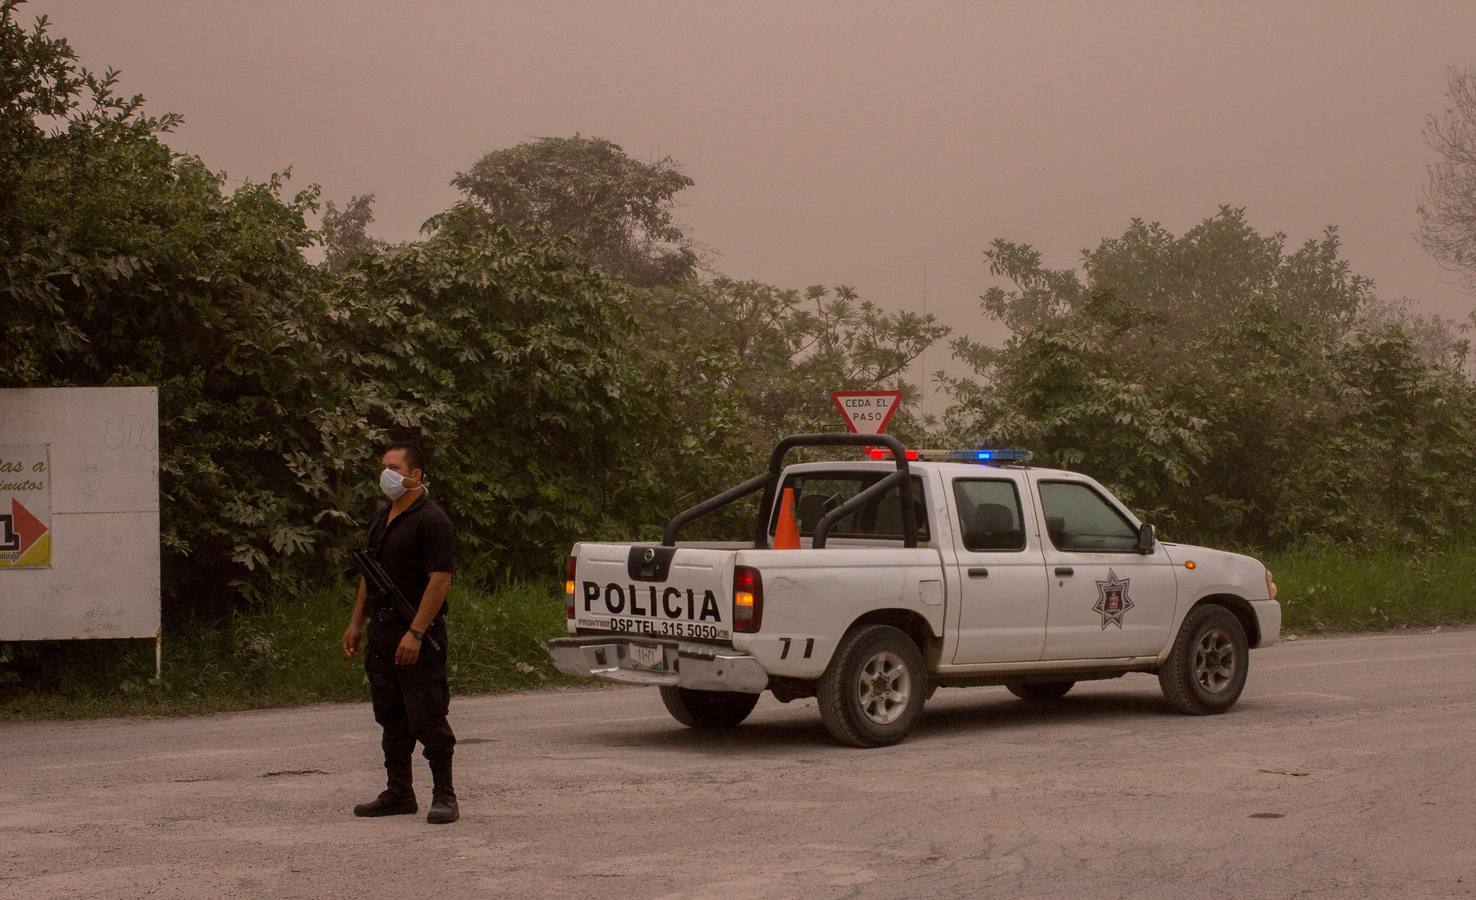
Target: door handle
1065 570
978 572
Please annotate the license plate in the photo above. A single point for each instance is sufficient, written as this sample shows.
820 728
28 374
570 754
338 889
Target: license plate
644 657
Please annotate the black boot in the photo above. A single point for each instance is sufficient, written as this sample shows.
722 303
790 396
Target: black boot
397 799
443 809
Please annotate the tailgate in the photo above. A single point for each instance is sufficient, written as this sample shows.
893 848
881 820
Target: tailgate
679 592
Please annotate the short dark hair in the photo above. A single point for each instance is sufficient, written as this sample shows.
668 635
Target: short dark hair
413 457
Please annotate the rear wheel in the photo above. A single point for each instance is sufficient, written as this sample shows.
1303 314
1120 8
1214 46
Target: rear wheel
1205 671
873 691
707 709
1039 691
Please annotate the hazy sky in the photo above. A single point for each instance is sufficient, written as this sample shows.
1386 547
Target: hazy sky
836 143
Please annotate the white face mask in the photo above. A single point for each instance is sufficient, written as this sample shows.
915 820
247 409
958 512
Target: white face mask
392 483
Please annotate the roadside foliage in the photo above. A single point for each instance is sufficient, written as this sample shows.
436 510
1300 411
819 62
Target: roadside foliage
577 371
1233 390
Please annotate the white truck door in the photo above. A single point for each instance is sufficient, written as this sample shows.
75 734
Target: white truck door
1107 600
1004 594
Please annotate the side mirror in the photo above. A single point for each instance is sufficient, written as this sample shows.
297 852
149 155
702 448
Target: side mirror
1145 539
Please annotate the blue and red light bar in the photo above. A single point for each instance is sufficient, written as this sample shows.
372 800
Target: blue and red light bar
1004 457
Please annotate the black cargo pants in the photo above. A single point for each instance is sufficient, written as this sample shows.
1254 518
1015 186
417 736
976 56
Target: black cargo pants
410 702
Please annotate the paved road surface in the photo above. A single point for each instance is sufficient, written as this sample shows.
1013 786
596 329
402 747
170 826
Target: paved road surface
1347 769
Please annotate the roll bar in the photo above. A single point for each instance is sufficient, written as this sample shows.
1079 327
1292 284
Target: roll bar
668 539
909 515
768 482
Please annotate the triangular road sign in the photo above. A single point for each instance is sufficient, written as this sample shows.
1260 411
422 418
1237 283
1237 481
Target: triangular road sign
866 412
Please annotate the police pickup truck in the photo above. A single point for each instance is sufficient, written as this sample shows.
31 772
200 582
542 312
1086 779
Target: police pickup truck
914 571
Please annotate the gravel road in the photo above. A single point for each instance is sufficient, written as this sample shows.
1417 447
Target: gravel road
1347 769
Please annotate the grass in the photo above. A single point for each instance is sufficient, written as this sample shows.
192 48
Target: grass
1338 589
286 653
283 655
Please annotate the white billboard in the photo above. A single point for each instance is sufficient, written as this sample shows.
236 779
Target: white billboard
79 492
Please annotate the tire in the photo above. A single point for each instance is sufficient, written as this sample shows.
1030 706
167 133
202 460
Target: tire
1206 669
1039 691
853 709
707 709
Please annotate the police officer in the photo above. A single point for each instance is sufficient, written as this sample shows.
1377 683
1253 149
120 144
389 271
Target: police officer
413 540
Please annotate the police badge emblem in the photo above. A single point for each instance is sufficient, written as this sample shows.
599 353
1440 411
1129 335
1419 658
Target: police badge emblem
1112 599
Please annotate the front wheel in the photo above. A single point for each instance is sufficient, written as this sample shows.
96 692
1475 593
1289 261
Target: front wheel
873 690
1205 671
707 709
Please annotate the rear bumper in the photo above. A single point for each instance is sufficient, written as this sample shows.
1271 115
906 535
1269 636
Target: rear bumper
701 667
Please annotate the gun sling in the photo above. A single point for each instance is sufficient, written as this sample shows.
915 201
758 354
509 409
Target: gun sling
379 582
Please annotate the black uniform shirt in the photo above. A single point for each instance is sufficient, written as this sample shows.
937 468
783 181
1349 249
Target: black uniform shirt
418 542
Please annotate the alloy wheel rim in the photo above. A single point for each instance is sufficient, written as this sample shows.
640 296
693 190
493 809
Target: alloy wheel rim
883 687
1214 661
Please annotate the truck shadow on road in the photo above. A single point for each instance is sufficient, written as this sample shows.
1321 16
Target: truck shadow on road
781 730
993 714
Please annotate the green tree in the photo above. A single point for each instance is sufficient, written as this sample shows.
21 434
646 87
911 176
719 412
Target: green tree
785 350
126 263
511 359
1448 209
56 119
616 210
1178 288
1227 388
345 231
1436 339
1068 398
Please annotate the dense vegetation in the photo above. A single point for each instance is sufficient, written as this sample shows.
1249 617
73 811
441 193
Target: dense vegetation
576 370
567 371
1232 390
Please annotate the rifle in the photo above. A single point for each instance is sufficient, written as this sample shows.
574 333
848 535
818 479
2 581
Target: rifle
379 582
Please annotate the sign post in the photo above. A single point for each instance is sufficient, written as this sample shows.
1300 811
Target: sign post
866 412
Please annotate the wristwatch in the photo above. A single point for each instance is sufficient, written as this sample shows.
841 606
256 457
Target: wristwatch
419 635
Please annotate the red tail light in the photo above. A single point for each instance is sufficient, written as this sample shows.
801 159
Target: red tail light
748 599
569 589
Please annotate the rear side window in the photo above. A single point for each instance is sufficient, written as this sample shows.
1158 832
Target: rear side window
989 514
817 493
1079 518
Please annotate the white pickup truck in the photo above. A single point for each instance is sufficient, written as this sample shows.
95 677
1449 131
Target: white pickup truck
928 569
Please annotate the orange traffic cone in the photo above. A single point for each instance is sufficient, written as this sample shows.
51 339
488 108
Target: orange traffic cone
786 533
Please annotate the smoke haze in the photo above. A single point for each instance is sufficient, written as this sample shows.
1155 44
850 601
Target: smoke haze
839 143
